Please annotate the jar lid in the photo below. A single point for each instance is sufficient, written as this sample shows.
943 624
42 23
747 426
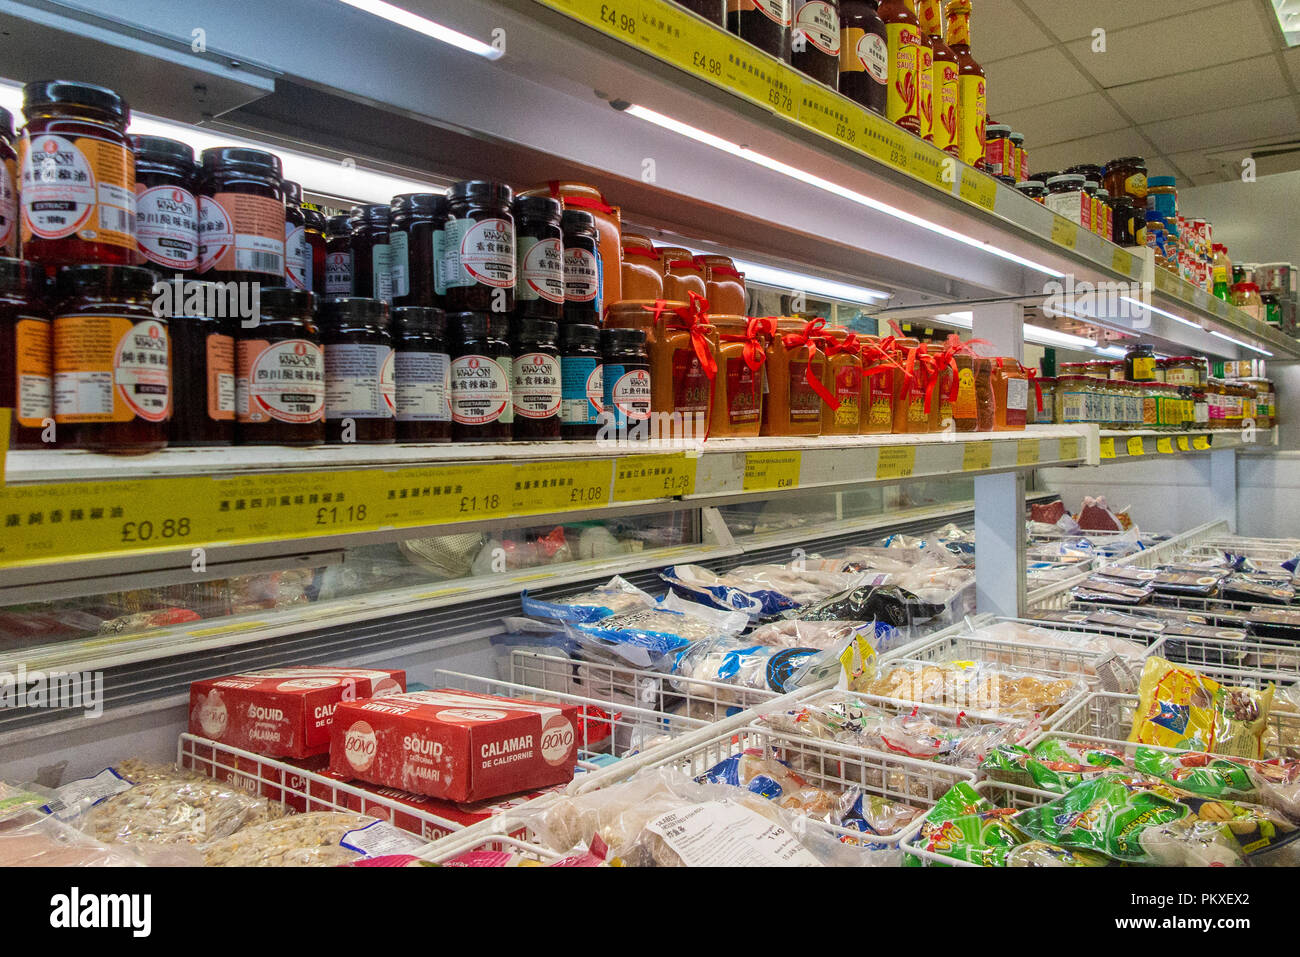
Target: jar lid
22 276
159 149
479 325
1161 181
1103 193
1029 185
355 310
577 220
997 129
418 202
1045 176
72 93
371 214
580 334
292 192
1071 179
287 301
421 319
314 218
1127 161
106 281
1017 137
480 192
544 208
6 124
1088 170
240 159
340 225
622 340
537 330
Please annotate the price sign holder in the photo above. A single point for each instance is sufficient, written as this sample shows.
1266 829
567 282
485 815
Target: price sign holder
765 471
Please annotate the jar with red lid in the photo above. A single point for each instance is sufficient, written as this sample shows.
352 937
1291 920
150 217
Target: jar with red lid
683 275
166 211
77 179
737 408
112 360
795 370
241 216
724 286
26 384
642 267
280 373
203 366
842 380
8 186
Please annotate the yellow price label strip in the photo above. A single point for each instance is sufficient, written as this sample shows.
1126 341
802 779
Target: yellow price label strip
1165 446
685 41
1108 448
638 478
977 456
1121 261
618 18
883 141
896 461
1064 232
1184 445
1027 452
771 470
978 189
931 165
1135 446
1069 449
560 486
831 115
1165 282
1201 443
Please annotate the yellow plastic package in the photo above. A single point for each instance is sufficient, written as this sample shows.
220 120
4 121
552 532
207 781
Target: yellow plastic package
1181 708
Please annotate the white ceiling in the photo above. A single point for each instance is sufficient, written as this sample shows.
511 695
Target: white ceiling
1194 86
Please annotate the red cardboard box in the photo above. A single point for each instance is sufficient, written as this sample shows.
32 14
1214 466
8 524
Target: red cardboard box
456 745
282 712
280 781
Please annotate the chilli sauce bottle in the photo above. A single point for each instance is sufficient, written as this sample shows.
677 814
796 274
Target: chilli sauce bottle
338 256
864 55
280 373
297 249
944 85
925 83
360 389
764 23
203 368
77 176
26 385
166 211
972 98
241 216
903 33
8 186
815 43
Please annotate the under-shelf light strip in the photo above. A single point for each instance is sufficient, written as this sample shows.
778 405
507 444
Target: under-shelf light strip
1161 312
425 26
1035 334
1244 345
759 159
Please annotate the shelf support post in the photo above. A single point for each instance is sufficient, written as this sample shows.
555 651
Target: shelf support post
1223 486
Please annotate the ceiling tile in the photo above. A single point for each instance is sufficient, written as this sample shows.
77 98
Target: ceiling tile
1292 60
1188 93
1248 123
1186 41
1193 163
1065 120
1033 79
1001 30
1097 149
1071 19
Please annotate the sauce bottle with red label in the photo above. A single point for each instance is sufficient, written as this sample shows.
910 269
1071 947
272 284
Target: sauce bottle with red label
944 87
972 98
8 186
903 34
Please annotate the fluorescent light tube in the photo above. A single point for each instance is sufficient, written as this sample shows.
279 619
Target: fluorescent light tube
1161 312
425 26
1115 352
759 159
770 276
1050 337
1244 345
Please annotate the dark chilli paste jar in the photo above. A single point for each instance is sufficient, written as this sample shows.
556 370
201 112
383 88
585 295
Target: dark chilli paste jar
582 267
372 275
77 180
241 216
764 23
203 334
112 360
338 256
478 253
8 186
482 409
314 231
864 55
421 366
360 388
536 386
26 385
166 212
539 283
280 373
626 379
414 218
297 249
582 384
815 40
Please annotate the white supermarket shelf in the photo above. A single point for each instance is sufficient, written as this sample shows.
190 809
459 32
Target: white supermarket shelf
1123 445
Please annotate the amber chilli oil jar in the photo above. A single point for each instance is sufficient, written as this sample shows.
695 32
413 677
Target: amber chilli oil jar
77 175
112 360
25 381
795 368
737 408
360 389
280 373
482 368
241 216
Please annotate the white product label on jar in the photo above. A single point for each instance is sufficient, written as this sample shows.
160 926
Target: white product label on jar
8 209
581 275
480 391
1017 394
873 54
541 270
1069 205
35 399
536 386
723 834
83 393
1076 407
297 257
820 23
481 251
399 264
140 370
359 381
167 226
216 232
259 254
381 270
338 274
58 187
422 393
285 381
630 394
776 10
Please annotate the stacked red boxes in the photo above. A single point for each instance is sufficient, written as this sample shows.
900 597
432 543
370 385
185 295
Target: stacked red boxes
282 712
456 745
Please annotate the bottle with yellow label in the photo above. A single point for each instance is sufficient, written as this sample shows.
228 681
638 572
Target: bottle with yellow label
943 78
903 34
972 91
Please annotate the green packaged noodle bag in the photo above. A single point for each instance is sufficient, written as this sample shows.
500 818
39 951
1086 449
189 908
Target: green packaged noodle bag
1052 765
966 827
1106 815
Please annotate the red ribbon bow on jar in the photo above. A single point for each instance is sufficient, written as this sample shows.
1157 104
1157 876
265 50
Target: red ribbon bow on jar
808 337
1032 375
692 318
755 354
